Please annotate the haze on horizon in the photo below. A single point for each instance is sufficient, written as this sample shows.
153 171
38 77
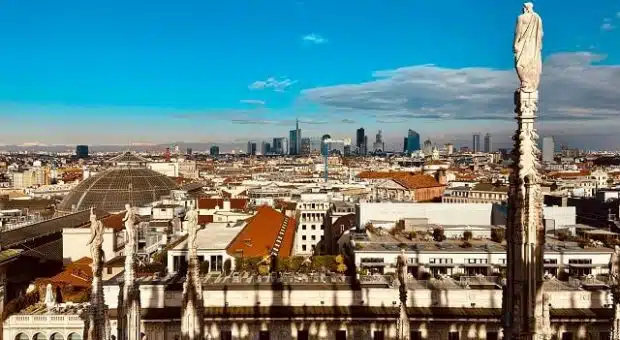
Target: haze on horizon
158 72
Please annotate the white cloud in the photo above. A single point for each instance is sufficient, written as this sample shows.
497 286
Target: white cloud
278 84
607 26
314 38
573 87
253 101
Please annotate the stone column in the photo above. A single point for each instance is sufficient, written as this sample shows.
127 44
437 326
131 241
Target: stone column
523 300
192 320
129 315
524 315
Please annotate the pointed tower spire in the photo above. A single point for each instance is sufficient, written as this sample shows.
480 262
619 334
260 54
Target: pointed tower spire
524 315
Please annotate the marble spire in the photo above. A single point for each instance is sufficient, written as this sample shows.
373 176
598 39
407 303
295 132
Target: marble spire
614 282
403 318
192 322
97 310
523 309
129 313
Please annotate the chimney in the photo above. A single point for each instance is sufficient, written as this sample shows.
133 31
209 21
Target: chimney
564 201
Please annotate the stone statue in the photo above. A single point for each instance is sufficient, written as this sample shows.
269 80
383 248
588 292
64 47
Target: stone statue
401 265
527 48
96 239
192 227
129 220
614 267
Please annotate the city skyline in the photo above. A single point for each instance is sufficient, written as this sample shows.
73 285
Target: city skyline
71 78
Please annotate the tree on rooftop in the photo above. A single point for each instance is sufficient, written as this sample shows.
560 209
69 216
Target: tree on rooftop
438 234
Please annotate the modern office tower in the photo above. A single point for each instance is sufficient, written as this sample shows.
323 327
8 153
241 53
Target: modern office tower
379 145
347 150
189 151
488 143
428 147
476 143
548 149
295 140
214 150
81 151
279 146
265 148
413 141
306 146
251 148
365 146
449 149
360 137
405 145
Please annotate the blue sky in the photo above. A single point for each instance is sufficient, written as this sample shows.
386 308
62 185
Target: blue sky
74 71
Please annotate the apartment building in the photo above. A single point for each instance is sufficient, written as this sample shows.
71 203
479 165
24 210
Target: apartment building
312 209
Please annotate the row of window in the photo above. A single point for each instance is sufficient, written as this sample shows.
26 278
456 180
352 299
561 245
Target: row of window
55 336
312 237
312 227
376 335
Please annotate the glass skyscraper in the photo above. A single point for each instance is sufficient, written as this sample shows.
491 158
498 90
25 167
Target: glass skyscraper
413 141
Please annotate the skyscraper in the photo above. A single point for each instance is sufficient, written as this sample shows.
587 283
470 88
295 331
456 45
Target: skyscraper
325 145
379 146
306 146
359 141
251 148
413 141
295 139
488 143
279 146
548 149
215 150
265 148
405 145
476 143
81 151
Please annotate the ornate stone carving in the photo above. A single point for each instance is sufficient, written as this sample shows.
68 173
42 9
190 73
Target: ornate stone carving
129 315
403 320
524 311
192 321
614 281
97 312
527 48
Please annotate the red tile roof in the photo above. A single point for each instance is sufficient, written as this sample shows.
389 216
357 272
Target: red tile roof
77 274
114 222
417 181
204 219
211 203
259 235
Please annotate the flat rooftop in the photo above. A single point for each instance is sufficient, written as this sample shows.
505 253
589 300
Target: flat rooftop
214 236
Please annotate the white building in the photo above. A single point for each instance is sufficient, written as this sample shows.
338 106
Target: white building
170 169
312 209
211 242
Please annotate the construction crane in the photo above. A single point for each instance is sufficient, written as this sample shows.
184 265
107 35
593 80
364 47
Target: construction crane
326 140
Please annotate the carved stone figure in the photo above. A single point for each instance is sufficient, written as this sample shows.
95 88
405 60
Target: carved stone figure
130 309
527 48
129 220
401 265
614 267
97 313
96 239
192 322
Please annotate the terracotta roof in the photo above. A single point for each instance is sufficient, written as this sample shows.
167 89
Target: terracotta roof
76 274
383 174
211 203
569 175
259 235
489 187
417 181
342 224
114 222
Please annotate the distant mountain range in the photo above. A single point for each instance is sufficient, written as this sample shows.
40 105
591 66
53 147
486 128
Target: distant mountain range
140 147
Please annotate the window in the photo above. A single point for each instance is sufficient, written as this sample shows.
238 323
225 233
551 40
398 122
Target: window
453 336
216 263
108 270
492 336
225 335
21 336
303 247
313 237
322 226
303 335
313 227
303 237
416 335
303 227
567 336
341 335
263 335
57 336
74 336
378 335
39 336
